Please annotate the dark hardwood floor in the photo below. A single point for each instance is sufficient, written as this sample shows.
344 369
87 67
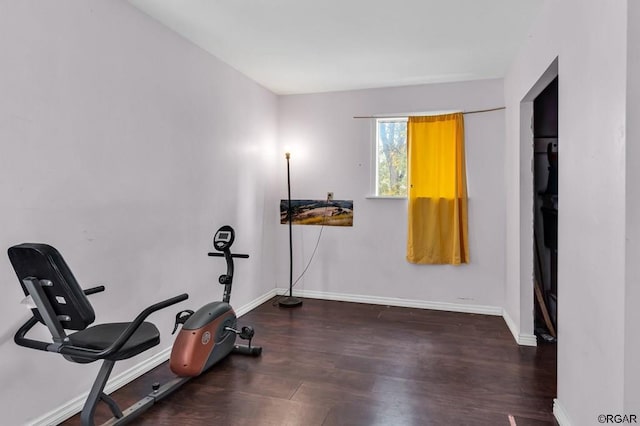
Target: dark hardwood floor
339 363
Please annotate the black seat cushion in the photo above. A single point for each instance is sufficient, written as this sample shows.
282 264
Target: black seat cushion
101 336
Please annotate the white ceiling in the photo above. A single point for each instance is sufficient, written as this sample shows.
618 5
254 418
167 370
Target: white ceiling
303 46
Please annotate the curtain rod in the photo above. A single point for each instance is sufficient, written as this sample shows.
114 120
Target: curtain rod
413 115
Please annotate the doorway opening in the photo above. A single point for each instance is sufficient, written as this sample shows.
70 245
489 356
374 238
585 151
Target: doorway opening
545 212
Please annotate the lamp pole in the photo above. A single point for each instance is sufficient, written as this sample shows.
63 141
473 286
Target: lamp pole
290 301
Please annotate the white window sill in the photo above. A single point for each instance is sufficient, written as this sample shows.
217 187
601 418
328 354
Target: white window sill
385 197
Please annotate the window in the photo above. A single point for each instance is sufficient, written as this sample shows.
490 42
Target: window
391 157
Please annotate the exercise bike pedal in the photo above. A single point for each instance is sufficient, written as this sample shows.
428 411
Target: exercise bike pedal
246 333
181 318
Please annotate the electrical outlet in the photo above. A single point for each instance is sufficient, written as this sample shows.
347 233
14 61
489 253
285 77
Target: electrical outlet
329 196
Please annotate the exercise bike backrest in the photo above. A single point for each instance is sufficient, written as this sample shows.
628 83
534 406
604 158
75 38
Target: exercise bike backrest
222 241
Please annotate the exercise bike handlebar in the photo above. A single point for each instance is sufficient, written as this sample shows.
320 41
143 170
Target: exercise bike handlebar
215 254
94 354
126 334
93 290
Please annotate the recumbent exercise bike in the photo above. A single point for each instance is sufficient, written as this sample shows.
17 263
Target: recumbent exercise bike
207 336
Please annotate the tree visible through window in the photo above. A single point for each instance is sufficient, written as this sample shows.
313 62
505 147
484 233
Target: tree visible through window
391 157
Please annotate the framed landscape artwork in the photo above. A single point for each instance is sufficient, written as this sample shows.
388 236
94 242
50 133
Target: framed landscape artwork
318 212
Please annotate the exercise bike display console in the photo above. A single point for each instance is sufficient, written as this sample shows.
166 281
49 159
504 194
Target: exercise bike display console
207 335
223 238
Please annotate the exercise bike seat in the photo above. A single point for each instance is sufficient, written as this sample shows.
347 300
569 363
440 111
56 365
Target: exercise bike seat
61 305
101 336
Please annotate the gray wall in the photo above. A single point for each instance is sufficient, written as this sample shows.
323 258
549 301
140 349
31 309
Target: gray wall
589 39
331 151
125 147
632 265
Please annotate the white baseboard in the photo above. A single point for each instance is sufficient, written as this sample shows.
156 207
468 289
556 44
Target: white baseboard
521 338
74 406
392 301
255 303
560 414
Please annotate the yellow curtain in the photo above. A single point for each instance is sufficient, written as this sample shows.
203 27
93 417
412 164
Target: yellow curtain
437 190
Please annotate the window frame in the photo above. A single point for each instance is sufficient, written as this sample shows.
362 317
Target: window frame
374 158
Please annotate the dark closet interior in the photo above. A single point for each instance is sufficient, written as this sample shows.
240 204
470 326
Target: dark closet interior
545 176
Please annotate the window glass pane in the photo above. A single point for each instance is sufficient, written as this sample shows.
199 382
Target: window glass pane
391 158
